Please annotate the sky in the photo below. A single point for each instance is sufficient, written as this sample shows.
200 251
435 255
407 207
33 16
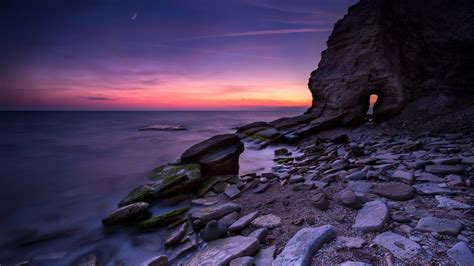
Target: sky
161 54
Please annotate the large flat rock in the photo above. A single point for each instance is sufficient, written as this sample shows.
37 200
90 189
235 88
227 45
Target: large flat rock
303 245
394 191
439 225
127 213
243 221
400 246
372 217
215 212
222 251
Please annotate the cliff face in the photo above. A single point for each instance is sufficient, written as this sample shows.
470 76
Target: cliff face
400 50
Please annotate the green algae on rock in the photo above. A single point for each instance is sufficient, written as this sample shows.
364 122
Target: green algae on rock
163 219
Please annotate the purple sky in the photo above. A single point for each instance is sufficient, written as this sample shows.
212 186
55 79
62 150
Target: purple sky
161 55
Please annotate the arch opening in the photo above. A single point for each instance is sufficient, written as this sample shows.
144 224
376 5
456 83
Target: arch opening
373 98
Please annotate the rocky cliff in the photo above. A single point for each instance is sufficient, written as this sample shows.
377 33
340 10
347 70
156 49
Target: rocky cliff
400 50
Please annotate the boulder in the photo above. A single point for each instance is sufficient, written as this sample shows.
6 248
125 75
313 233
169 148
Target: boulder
372 217
400 246
222 251
348 199
302 247
267 221
163 219
461 254
168 180
214 230
127 213
218 155
394 191
439 225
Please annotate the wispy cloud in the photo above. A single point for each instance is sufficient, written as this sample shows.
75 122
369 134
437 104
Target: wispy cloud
97 98
290 7
267 32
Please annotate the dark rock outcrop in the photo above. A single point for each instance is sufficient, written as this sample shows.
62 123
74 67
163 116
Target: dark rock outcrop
218 155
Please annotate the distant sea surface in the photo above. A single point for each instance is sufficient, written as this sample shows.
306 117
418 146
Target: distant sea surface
65 170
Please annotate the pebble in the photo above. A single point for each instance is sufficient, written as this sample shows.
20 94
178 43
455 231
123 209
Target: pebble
320 201
350 242
400 216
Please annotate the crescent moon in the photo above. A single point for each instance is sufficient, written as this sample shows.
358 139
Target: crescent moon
134 16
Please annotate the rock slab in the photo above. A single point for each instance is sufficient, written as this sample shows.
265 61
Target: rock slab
304 244
439 225
372 216
400 246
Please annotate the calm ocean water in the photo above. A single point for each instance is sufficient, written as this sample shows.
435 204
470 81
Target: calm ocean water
62 171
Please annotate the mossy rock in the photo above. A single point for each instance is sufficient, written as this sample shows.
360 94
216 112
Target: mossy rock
163 219
284 160
141 193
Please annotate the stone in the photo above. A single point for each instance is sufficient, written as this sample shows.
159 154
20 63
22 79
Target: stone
320 201
267 221
222 251
178 251
439 225
203 202
127 213
261 188
265 257
468 160
350 242
341 139
360 175
348 199
206 185
432 189
215 212
232 192
213 230
177 235
372 217
242 261
243 221
444 202
354 263
445 161
454 181
230 218
246 127
400 217
269 134
260 234
161 260
168 180
280 152
394 191
419 164
269 175
301 248
218 155
219 187
163 219
296 179
444 169
403 176
428 177
400 246
461 254
360 186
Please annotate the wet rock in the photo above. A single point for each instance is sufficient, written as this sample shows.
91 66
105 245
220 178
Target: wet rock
161 260
446 161
261 188
213 230
280 152
348 199
127 213
267 221
304 244
439 225
400 246
403 176
400 217
163 219
242 261
243 221
432 189
265 257
372 217
217 155
360 175
427 177
246 127
177 235
168 180
349 242
222 251
269 134
215 212
444 202
180 250
394 191
461 254
444 169
320 201
232 192
203 202
260 234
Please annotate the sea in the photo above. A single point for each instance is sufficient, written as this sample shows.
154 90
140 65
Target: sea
61 172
